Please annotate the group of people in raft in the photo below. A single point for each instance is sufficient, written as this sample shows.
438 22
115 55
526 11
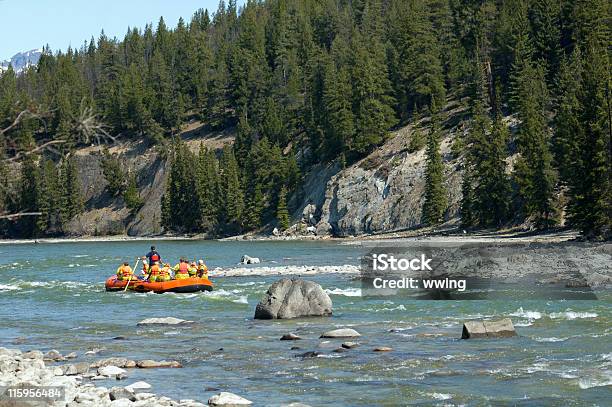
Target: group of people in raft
154 270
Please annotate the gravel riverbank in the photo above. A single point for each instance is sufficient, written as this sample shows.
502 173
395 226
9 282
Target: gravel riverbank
30 370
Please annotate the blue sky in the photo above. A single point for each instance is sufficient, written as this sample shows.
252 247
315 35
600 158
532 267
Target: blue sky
29 24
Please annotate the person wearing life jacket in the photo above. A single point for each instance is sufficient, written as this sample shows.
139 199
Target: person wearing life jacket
193 269
124 272
145 268
153 256
154 271
164 273
202 269
181 270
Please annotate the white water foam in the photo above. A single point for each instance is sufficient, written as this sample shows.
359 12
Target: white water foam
284 270
552 339
441 396
526 314
570 315
589 382
8 287
400 307
347 292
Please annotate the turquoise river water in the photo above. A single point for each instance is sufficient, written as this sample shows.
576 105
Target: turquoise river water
52 297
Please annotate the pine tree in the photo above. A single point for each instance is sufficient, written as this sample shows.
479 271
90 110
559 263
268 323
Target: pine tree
72 202
181 191
339 129
435 192
591 191
282 213
372 101
533 171
50 221
131 196
254 208
569 129
468 198
29 197
491 185
233 198
206 186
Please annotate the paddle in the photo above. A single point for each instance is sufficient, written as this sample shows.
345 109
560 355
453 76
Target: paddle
131 275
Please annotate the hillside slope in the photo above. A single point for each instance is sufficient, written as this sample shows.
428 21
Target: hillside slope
383 192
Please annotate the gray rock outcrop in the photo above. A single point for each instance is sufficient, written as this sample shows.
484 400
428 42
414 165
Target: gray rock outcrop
293 298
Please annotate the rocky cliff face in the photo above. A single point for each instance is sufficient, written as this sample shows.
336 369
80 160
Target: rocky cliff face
107 215
384 191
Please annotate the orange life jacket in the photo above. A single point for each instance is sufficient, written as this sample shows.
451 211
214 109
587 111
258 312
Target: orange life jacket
164 272
154 270
125 271
183 268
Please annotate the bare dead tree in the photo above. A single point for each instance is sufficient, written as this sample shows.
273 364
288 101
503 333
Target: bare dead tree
13 216
89 127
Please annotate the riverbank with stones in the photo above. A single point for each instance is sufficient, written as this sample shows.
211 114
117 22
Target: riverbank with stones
37 369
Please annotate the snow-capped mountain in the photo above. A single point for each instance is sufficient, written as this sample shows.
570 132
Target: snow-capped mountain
21 60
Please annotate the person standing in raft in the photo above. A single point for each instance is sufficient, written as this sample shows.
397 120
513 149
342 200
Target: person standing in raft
124 272
181 270
153 256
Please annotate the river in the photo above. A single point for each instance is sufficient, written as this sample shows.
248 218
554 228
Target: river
52 297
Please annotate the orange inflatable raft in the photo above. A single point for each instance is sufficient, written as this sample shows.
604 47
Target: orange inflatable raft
187 285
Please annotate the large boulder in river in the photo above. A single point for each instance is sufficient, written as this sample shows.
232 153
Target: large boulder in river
488 329
294 298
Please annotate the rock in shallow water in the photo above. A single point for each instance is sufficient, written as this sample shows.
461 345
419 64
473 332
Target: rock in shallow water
138 386
119 362
306 355
383 349
164 321
350 345
148 364
290 337
228 399
249 260
293 298
488 329
341 333
110 371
